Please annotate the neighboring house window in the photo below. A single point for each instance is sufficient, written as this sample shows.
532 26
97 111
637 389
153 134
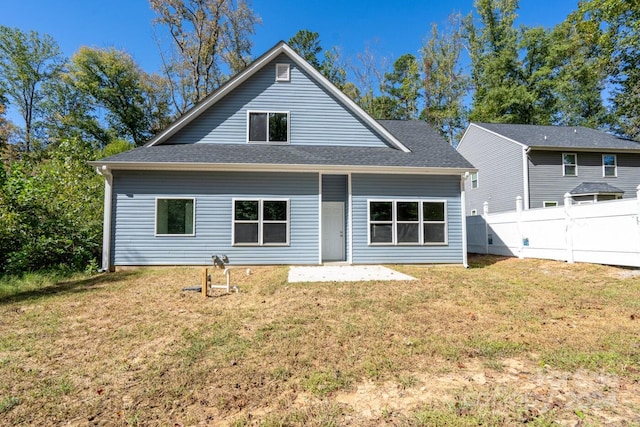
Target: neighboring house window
282 73
407 222
268 126
474 180
570 164
474 212
261 222
549 204
609 165
175 216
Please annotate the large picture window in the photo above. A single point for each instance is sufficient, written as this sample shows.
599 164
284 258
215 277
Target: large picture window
407 222
266 126
260 222
175 216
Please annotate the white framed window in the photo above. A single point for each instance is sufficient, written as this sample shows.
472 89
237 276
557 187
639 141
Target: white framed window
260 222
474 212
609 165
549 204
175 216
474 180
569 164
268 127
283 73
407 222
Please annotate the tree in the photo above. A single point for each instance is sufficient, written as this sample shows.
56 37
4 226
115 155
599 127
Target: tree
369 75
444 83
307 44
402 87
27 61
210 37
499 93
136 104
618 25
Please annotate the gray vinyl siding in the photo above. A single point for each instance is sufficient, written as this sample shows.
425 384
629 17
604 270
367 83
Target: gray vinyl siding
500 175
334 188
406 187
315 116
134 241
547 182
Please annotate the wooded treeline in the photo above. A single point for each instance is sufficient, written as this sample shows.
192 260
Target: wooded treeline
478 67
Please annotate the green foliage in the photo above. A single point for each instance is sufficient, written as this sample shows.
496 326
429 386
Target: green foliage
51 211
27 61
444 83
402 85
136 103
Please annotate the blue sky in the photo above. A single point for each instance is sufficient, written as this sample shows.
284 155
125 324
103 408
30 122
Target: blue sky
392 28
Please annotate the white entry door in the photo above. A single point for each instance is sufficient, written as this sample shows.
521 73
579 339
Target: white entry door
333 231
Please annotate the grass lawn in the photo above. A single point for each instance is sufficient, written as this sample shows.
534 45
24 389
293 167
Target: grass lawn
504 342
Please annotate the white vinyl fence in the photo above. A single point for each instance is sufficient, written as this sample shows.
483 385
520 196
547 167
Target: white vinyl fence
601 233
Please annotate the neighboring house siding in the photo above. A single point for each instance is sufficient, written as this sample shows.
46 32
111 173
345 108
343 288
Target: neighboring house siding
315 117
500 175
547 182
406 187
134 241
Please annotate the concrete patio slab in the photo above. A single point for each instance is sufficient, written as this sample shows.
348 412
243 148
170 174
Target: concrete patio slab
344 273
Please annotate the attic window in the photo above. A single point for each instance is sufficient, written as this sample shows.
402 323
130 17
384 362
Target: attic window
268 127
282 72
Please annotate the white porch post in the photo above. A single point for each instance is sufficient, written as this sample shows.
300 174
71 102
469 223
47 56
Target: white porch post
106 227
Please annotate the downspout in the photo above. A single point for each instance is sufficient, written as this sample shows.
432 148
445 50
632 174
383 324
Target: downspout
463 211
106 227
525 175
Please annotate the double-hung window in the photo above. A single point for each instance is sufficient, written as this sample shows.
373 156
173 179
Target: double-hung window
175 216
268 127
609 165
407 222
569 164
259 222
474 180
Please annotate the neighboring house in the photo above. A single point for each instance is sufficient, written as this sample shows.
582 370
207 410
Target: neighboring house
279 167
543 163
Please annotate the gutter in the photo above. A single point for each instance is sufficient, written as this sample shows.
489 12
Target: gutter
106 227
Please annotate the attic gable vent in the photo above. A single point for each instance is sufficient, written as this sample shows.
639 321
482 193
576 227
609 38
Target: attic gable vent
282 73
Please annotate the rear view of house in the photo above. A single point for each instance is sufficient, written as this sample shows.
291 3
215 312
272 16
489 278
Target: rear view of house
279 167
543 163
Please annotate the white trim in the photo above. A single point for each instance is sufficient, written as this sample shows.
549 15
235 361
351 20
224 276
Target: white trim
262 167
267 112
155 216
106 224
258 64
260 221
421 222
463 219
525 177
287 69
350 219
320 218
574 165
615 166
496 134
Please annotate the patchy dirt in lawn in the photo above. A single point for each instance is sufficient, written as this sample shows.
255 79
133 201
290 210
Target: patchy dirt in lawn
538 390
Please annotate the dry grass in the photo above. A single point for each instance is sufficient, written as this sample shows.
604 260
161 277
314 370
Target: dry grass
505 342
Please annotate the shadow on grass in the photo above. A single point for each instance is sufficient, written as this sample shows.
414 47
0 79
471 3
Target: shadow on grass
66 286
482 261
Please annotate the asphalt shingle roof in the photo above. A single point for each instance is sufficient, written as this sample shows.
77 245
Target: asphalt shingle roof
561 136
595 188
428 149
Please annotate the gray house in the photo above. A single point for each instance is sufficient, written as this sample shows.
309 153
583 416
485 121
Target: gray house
279 167
542 163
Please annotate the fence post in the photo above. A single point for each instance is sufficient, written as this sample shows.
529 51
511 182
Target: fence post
485 215
568 227
519 219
